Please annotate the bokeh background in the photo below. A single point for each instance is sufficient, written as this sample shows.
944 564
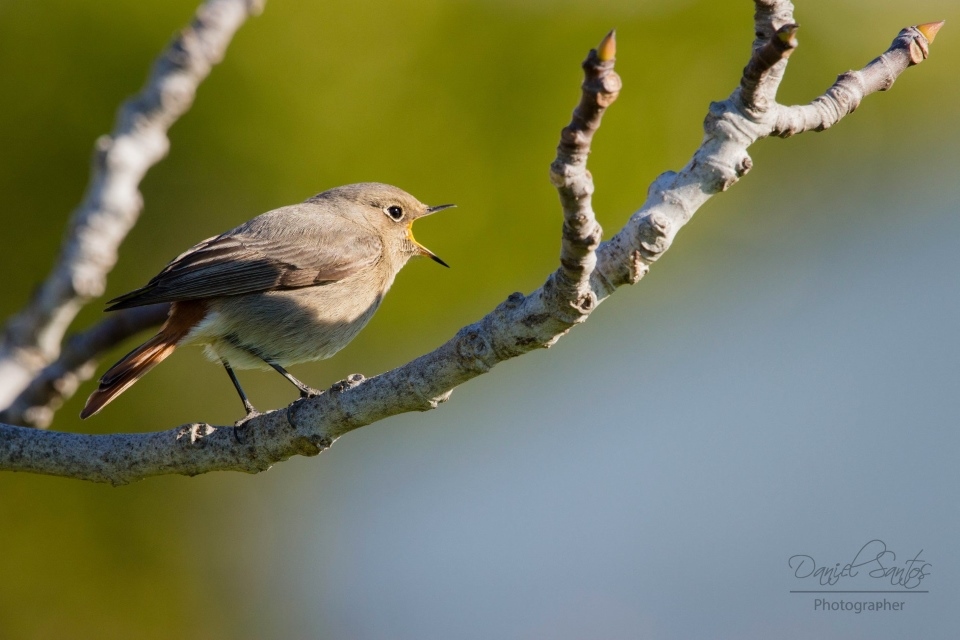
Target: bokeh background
785 381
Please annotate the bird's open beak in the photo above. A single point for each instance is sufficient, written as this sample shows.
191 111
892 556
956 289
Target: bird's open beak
439 207
430 254
422 250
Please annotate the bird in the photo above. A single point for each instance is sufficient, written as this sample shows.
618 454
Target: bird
292 285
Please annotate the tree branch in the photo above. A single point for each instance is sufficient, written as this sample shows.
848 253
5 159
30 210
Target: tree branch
581 232
518 325
58 381
112 203
911 46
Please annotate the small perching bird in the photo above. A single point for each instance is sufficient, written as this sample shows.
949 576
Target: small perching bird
293 285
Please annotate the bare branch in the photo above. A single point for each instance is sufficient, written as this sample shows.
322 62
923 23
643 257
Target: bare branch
769 60
110 208
581 232
911 47
758 87
58 381
518 325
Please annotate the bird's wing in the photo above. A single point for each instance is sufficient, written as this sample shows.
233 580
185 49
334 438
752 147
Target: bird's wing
289 248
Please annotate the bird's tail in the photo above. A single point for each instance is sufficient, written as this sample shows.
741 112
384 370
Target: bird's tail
138 362
134 366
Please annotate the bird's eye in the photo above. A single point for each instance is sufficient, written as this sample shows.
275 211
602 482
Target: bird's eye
395 212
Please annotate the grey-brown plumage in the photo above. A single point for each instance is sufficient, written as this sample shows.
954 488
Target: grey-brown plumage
292 285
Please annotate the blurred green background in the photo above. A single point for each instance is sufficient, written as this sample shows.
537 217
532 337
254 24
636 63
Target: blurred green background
455 101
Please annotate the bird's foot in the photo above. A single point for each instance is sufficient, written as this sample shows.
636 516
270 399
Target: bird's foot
309 392
239 427
251 414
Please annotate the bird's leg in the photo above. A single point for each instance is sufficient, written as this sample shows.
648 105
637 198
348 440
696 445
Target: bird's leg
247 405
305 390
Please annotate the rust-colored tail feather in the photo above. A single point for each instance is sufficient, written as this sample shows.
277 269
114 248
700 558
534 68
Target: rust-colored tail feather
134 365
123 374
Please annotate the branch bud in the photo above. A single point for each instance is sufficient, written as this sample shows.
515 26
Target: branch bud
607 49
930 29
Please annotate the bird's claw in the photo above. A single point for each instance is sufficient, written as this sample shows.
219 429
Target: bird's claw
251 414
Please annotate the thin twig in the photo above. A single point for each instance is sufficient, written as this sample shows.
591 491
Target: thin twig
911 46
581 232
